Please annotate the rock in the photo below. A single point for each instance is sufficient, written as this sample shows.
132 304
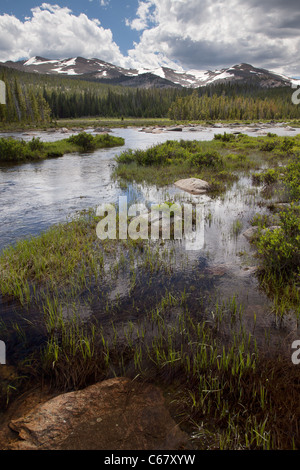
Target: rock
178 129
218 125
116 414
281 206
270 229
251 233
102 129
215 271
64 130
193 185
148 130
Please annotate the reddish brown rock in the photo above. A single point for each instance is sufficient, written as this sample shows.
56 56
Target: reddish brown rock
116 414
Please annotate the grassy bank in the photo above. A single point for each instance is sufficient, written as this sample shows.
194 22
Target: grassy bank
15 151
86 122
219 162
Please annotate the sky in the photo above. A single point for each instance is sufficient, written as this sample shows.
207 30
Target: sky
181 34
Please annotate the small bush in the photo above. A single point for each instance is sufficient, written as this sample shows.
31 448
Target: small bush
206 159
280 249
12 150
35 144
225 137
292 179
287 144
83 140
268 146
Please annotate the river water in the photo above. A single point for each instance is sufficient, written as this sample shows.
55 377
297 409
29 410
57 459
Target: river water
36 195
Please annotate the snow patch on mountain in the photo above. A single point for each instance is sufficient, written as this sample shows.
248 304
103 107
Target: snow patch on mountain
98 69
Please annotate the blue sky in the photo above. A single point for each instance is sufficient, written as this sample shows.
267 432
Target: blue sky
182 34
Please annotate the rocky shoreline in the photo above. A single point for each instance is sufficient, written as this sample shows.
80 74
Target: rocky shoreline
237 127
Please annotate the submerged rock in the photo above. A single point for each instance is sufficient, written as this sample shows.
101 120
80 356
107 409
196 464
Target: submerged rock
116 414
193 185
177 129
270 229
102 129
251 233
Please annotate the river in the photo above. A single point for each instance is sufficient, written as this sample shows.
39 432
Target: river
36 195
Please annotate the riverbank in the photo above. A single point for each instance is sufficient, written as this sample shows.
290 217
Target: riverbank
79 124
16 151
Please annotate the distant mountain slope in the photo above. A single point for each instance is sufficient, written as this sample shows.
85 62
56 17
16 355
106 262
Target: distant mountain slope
161 77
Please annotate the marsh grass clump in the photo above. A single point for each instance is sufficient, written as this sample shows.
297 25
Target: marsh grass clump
172 160
268 177
292 178
51 258
236 228
225 137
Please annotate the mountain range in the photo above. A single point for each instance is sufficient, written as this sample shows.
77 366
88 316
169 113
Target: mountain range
161 77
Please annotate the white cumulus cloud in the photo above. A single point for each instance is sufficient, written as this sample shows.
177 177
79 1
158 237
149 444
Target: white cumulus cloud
54 32
203 34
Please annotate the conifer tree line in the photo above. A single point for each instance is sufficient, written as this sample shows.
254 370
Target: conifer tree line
235 102
23 103
37 98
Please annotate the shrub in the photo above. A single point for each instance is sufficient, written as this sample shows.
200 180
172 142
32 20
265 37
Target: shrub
206 159
287 144
12 150
268 146
83 140
280 249
225 137
292 179
35 144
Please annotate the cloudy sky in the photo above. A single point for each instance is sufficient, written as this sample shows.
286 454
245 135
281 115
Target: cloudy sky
182 34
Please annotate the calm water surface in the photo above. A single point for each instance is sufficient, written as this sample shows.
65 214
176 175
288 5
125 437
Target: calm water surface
36 195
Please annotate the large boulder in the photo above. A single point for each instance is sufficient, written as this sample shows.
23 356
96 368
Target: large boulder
193 185
116 414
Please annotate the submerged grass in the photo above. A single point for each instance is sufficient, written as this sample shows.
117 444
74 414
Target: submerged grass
224 390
